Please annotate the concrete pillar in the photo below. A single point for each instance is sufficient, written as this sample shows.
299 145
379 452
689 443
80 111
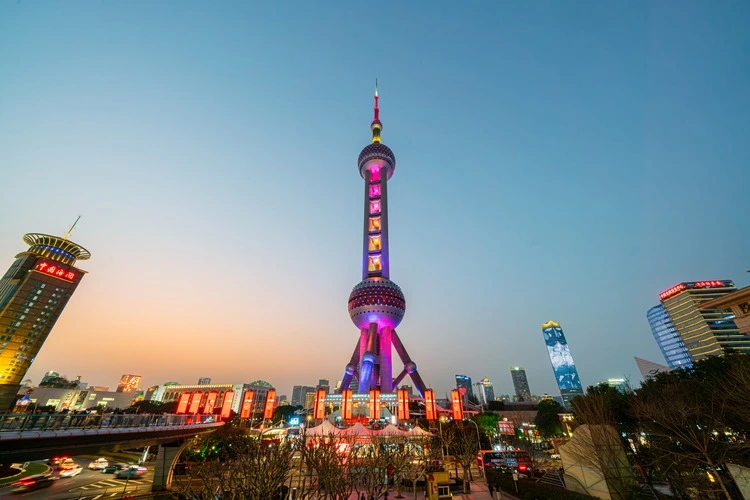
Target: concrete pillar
166 459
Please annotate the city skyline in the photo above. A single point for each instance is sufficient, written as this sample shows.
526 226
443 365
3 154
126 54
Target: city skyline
214 163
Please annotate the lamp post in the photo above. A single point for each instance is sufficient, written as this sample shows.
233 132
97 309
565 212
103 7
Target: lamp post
479 443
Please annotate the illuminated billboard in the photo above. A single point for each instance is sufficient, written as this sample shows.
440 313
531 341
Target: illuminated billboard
430 407
129 383
247 404
211 398
270 404
346 404
457 404
320 404
183 403
226 406
403 404
195 402
374 404
55 269
566 374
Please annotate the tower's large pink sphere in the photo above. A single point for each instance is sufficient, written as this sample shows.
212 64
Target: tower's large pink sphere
377 300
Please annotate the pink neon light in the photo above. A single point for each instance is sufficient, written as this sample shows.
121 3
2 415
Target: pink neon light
375 207
375 172
374 190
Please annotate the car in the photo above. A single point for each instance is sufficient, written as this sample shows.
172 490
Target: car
99 464
130 472
111 468
32 483
66 463
72 471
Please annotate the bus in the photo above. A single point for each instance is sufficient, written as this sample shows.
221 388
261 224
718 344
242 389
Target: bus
516 460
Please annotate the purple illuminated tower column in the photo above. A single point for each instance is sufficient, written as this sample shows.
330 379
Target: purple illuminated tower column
376 304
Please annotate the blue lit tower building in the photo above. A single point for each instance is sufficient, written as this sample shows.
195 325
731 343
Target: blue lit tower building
562 362
666 336
377 305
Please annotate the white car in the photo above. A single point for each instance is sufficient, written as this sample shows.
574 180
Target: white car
73 471
99 464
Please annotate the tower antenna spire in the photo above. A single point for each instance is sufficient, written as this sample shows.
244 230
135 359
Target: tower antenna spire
376 126
67 235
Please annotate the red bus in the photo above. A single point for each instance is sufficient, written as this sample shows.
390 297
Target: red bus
517 460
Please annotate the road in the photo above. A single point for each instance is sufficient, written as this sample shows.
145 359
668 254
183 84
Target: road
88 485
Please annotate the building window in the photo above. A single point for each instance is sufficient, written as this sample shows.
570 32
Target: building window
374 263
374 224
374 243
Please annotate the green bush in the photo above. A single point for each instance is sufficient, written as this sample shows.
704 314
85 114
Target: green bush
528 489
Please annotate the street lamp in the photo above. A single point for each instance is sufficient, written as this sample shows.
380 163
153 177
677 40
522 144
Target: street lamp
479 443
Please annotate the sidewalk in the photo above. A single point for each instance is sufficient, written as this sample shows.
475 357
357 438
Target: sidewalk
479 491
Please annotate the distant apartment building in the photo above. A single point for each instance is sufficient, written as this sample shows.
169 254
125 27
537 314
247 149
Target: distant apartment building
486 391
299 394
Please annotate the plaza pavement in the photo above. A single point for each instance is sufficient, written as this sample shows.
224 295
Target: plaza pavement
479 491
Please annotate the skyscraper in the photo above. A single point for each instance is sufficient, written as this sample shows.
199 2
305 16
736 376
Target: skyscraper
563 366
486 391
666 336
520 383
464 382
325 384
377 304
299 394
702 331
33 294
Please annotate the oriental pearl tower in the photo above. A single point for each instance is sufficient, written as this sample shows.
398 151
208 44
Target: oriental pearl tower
376 304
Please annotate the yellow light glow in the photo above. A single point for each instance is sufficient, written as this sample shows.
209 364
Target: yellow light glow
374 243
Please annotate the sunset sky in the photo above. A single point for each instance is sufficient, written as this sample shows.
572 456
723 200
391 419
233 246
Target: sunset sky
555 160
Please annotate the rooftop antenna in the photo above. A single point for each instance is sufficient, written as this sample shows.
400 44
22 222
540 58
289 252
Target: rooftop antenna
67 235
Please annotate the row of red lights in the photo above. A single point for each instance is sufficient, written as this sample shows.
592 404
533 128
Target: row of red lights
698 284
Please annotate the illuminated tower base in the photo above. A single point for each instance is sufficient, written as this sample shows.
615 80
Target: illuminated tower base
376 304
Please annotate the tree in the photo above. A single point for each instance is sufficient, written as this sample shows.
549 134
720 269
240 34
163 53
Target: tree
284 413
547 418
60 383
463 445
240 466
333 470
487 424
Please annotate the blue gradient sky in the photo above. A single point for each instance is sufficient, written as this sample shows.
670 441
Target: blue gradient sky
556 160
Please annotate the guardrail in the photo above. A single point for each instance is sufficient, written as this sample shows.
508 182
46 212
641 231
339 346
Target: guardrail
21 422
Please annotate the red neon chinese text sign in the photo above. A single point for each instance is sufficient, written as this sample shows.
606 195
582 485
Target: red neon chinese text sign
226 406
320 404
374 404
696 284
270 404
56 270
458 405
403 404
430 407
247 404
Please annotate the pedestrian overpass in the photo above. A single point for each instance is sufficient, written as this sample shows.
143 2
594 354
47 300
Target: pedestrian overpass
36 436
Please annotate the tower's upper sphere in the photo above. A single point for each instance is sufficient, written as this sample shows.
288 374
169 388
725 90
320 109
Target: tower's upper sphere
377 156
377 300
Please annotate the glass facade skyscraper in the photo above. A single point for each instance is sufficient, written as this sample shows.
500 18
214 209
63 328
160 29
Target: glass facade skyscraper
667 338
520 383
464 382
563 366
33 293
702 332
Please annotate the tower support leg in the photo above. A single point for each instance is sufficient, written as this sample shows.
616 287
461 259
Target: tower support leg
409 366
368 360
351 369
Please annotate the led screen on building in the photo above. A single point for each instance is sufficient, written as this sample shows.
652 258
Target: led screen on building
562 362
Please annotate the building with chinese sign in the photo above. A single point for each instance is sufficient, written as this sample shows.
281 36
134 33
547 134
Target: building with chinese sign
739 303
694 321
33 293
566 374
77 399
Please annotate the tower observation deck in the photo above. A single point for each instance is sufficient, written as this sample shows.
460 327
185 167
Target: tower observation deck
377 304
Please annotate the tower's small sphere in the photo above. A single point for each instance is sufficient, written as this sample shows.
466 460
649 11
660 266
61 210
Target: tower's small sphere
410 367
377 156
377 300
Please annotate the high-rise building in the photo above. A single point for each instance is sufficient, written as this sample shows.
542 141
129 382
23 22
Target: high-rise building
409 389
619 384
520 383
703 331
563 366
204 381
33 294
486 391
299 394
666 336
324 383
463 382
376 304
129 383
739 303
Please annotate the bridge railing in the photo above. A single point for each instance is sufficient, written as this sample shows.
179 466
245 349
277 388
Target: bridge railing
38 422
